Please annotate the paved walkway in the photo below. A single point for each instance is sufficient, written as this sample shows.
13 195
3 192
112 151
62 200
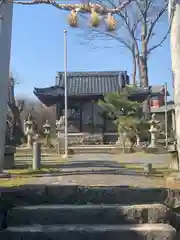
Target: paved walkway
136 158
104 170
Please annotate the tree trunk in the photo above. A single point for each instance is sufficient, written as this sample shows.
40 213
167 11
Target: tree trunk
143 68
175 56
18 132
134 72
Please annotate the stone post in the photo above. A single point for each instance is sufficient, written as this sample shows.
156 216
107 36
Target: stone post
47 133
36 164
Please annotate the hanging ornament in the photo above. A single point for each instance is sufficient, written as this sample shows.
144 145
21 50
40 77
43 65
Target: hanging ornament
73 19
111 23
94 19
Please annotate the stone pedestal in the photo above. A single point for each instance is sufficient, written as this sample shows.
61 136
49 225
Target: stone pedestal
29 139
9 161
60 145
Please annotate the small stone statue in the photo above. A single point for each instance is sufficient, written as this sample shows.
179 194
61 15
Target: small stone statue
29 130
47 133
60 124
153 130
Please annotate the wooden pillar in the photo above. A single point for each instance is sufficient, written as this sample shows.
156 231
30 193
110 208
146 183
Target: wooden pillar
104 123
92 116
104 127
81 116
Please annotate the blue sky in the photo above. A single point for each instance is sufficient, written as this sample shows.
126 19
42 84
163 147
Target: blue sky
37 51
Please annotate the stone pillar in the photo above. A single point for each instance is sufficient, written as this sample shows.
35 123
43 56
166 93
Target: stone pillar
36 163
6 13
29 140
174 12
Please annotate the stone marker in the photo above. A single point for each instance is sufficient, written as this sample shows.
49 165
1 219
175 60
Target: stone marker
36 164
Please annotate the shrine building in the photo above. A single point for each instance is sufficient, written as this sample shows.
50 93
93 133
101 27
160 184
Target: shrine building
84 89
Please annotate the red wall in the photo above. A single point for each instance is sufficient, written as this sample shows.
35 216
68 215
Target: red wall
159 101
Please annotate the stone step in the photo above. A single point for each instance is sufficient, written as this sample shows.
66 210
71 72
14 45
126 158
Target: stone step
30 151
88 214
86 232
72 194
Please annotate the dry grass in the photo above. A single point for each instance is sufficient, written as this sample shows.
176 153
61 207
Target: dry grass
15 182
20 177
30 172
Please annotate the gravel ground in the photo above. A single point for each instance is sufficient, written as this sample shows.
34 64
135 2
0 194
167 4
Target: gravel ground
103 169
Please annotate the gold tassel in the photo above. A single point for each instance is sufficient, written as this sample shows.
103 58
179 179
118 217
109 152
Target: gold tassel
94 20
111 23
73 19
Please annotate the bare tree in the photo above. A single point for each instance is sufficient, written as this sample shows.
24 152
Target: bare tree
39 113
136 22
136 30
83 8
16 108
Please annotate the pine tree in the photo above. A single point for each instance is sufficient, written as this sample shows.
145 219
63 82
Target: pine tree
125 113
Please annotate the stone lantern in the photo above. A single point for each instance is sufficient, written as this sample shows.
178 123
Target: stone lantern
47 133
29 131
153 130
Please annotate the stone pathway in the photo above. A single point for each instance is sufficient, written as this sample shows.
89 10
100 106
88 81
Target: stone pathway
106 180
103 170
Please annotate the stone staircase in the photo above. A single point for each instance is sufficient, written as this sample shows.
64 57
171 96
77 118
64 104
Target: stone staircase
84 216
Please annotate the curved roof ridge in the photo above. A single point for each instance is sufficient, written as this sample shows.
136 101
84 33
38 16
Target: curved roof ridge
92 73
47 89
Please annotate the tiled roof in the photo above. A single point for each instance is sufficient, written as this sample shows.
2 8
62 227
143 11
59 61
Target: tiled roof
90 83
155 89
82 84
49 91
85 83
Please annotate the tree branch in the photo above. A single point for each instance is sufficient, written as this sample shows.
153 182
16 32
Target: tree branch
119 39
143 12
160 43
153 24
166 35
84 8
